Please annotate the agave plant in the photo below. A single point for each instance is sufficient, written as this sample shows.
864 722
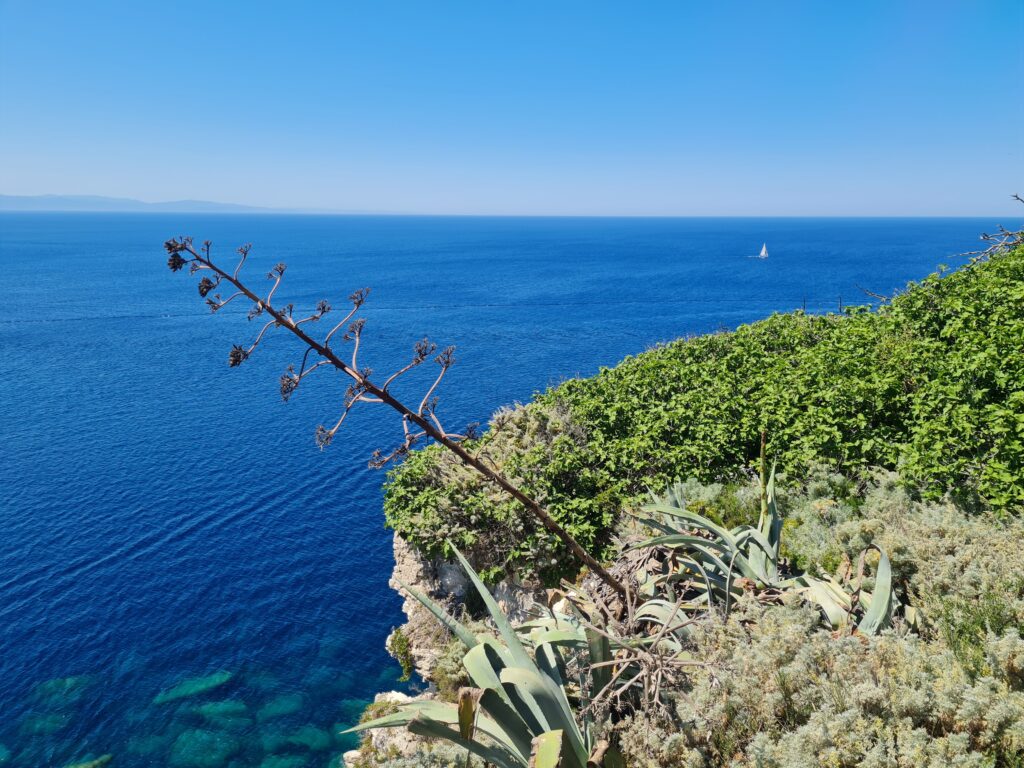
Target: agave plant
517 714
712 565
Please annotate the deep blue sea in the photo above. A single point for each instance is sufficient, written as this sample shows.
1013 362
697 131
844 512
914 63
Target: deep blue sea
164 517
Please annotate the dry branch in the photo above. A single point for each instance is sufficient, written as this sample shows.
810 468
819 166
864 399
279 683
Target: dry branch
417 424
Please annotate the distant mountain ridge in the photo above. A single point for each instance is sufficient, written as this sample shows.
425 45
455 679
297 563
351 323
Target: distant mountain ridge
100 204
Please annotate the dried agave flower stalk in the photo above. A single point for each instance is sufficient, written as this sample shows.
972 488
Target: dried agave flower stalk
419 423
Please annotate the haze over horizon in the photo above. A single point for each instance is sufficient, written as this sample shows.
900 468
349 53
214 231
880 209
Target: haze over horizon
579 109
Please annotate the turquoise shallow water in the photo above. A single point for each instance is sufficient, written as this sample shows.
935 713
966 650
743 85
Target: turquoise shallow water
168 519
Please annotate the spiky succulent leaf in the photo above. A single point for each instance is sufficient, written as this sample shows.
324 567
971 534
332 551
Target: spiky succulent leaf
458 629
600 651
547 750
498 754
879 613
504 627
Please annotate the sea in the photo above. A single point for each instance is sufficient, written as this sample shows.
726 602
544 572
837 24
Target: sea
186 579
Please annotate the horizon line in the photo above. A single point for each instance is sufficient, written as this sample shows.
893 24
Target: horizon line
11 204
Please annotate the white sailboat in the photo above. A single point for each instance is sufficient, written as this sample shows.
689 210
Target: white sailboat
764 252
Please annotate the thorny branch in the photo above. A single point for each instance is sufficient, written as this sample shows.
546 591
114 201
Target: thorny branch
417 424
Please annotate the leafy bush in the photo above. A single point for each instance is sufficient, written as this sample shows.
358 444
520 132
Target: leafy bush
436 502
931 385
398 645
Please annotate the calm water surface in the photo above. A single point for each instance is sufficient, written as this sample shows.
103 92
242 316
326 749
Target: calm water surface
166 518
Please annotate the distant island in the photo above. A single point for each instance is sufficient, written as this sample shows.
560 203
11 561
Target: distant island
99 204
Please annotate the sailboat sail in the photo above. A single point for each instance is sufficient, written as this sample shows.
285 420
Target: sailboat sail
764 251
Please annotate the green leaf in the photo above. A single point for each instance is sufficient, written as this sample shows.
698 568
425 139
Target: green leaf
467 638
508 634
879 614
497 754
547 750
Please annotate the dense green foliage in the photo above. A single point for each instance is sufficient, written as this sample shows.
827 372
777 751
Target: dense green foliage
931 384
398 645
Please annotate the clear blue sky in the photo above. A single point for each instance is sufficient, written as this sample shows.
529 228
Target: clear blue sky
652 108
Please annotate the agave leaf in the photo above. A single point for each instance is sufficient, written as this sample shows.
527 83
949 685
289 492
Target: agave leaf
696 521
433 709
516 733
879 613
468 706
650 522
547 703
547 750
704 550
467 638
713 582
506 729
768 536
483 664
836 607
497 754
600 652
762 556
549 662
508 634
570 638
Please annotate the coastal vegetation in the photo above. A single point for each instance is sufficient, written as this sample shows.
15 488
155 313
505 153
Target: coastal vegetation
862 605
767 681
930 384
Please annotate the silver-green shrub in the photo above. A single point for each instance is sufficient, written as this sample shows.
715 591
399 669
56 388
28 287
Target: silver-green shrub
778 692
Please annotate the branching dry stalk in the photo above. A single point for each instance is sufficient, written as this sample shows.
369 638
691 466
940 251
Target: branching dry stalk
418 423
1001 240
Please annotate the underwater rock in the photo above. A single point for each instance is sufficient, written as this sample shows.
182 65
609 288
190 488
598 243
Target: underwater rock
286 704
62 691
284 761
193 687
263 681
326 680
312 738
147 745
97 763
45 723
226 708
200 748
230 714
273 740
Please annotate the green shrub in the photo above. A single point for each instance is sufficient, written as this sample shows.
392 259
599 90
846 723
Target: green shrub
399 646
435 502
931 384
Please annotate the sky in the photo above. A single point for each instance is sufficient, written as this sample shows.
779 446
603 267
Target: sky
540 108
